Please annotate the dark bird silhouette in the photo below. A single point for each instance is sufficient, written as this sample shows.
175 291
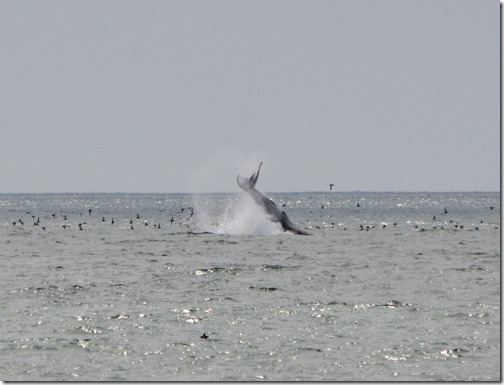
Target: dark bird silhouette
204 336
331 186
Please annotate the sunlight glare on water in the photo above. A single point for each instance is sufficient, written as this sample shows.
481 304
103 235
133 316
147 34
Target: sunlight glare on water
394 289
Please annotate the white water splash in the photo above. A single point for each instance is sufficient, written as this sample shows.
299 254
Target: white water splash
242 217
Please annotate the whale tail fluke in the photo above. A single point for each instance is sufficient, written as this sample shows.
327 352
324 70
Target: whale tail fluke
255 176
248 184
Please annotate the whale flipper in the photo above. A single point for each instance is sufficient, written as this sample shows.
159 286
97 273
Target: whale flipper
276 215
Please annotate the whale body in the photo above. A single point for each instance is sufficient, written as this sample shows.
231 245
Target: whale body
276 215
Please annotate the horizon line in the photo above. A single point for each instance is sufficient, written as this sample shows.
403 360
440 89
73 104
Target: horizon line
269 192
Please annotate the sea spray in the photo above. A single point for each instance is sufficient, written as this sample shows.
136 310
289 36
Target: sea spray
239 216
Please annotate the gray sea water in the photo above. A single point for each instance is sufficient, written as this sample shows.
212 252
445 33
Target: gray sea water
405 287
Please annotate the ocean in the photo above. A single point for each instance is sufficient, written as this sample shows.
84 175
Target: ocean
203 287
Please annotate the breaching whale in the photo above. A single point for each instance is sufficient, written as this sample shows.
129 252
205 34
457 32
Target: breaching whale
276 215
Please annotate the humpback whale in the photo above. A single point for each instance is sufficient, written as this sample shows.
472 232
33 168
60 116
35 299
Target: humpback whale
276 215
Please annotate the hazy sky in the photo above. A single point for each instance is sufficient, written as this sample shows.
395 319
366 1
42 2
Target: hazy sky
180 96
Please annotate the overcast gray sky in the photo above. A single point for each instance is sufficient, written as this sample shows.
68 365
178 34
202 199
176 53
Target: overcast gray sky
180 96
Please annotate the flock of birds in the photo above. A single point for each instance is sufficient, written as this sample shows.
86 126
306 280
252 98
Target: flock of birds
182 219
368 227
439 223
66 223
184 216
